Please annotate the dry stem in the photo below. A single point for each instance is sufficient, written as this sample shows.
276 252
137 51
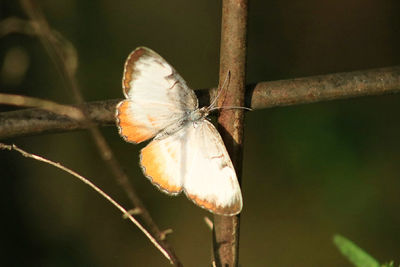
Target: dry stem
94 187
230 121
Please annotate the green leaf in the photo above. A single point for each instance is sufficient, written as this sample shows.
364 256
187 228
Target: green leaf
353 253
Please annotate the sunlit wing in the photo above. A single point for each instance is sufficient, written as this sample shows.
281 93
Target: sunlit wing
210 180
157 96
161 161
194 160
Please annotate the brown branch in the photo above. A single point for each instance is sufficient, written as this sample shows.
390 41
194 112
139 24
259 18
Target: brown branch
259 96
324 87
94 187
230 121
55 49
28 122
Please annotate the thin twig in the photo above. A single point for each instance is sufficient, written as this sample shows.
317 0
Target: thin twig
93 186
33 102
230 121
60 60
262 95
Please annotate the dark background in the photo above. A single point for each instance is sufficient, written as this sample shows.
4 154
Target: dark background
310 171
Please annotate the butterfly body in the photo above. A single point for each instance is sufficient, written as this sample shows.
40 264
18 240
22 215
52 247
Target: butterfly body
187 153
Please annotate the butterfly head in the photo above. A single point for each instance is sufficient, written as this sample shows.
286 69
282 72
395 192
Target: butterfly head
199 114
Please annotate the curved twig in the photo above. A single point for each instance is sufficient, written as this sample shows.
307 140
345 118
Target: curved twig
94 187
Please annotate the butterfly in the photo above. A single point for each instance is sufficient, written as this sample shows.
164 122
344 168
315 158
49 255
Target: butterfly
187 153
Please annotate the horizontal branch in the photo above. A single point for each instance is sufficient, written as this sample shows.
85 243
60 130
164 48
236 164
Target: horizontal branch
258 96
324 87
37 121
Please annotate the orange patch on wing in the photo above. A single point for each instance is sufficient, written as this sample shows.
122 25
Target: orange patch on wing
155 168
213 207
130 129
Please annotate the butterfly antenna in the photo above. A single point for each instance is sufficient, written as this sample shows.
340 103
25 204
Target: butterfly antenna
231 107
227 78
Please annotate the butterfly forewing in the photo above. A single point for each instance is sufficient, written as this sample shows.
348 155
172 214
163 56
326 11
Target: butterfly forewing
156 94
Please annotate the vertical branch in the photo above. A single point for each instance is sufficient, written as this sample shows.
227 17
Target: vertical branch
232 59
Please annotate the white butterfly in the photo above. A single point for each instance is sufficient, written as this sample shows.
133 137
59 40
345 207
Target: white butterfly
187 153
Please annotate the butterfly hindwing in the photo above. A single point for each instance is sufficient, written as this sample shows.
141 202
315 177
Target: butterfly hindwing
194 160
210 179
161 162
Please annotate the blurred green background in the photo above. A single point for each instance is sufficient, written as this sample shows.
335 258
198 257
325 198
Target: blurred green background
310 171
